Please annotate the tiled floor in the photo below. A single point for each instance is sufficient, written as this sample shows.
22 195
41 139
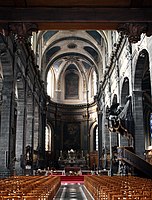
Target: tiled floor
73 192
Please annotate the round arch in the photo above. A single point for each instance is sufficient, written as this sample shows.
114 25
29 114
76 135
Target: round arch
141 109
51 82
92 131
49 137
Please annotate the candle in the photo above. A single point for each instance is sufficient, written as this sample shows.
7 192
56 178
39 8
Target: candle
82 153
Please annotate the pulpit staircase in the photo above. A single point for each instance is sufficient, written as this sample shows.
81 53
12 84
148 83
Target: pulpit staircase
136 161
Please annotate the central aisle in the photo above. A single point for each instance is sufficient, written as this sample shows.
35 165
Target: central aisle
73 192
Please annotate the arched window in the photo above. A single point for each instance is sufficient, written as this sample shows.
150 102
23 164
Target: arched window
48 138
94 84
50 83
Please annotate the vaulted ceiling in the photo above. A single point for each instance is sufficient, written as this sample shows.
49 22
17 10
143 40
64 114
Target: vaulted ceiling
72 51
84 47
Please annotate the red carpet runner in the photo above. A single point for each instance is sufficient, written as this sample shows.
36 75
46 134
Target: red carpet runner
72 179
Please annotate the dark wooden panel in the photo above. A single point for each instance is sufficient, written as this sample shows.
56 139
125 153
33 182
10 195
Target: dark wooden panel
76 3
20 3
77 26
76 15
7 3
63 3
147 3
136 3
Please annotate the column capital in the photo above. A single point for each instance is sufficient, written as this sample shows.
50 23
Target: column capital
134 30
21 30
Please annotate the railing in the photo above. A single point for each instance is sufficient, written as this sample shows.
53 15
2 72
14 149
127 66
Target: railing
135 160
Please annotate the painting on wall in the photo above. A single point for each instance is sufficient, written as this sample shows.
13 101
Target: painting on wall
71 136
71 86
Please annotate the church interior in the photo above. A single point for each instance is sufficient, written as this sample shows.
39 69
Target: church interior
76 95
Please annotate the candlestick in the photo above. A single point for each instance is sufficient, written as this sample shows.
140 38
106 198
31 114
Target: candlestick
82 153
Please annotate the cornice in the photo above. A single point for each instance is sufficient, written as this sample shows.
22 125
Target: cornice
73 106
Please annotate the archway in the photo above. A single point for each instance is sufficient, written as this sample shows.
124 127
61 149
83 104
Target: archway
94 146
147 104
142 105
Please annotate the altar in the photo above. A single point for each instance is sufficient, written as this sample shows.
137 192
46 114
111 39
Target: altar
71 158
72 171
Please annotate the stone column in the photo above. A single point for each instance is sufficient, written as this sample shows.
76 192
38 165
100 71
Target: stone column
6 111
36 126
20 32
29 119
42 127
19 164
100 138
7 133
139 125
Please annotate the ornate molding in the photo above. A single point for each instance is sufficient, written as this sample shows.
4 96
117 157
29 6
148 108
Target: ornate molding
134 30
21 30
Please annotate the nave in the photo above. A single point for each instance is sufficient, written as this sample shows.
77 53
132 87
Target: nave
73 192
94 188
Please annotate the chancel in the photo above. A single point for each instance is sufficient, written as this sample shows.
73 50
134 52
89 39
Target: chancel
72 158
